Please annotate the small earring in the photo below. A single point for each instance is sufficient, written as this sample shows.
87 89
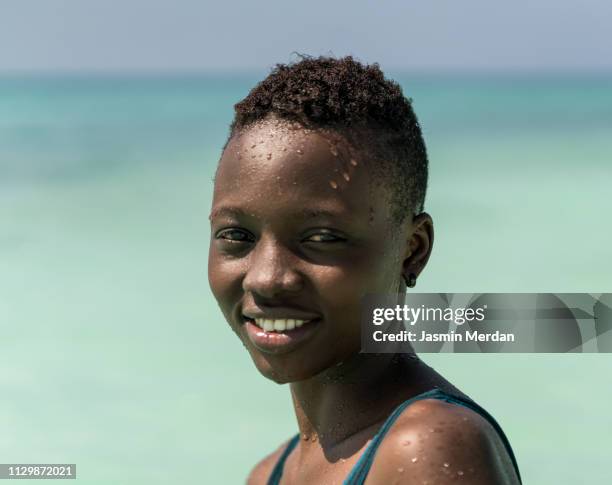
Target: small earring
410 280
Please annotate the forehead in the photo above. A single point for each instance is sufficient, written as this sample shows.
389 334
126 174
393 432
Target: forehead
275 165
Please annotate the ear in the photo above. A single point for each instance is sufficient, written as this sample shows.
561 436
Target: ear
419 245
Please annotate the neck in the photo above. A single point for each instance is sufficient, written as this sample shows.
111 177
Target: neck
352 397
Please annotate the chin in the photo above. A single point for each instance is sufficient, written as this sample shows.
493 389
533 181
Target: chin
282 373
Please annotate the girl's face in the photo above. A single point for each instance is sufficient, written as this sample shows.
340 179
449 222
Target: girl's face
299 232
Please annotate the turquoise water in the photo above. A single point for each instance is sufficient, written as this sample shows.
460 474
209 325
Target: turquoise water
114 355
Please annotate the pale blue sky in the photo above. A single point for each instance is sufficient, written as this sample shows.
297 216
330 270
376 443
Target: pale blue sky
400 34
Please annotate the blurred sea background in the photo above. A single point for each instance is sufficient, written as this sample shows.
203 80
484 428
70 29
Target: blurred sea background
113 353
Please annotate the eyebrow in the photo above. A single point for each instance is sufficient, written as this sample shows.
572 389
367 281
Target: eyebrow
226 211
302 214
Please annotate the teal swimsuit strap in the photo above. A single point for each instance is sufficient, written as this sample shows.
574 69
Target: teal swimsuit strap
278 469
360 471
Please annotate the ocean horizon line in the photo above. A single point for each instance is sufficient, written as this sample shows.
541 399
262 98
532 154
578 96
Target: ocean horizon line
517 74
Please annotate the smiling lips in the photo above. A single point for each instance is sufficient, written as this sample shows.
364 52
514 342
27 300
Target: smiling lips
279 335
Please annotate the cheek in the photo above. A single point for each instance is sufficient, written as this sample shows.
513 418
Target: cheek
224 278
343 289
374 272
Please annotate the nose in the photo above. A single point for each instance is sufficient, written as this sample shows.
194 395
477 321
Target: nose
271 272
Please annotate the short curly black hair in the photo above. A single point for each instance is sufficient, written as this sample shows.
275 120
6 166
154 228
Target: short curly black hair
356 101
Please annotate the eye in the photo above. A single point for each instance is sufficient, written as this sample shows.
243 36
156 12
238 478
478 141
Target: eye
324 237
234 235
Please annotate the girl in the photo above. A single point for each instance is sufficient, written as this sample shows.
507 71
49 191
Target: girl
318 200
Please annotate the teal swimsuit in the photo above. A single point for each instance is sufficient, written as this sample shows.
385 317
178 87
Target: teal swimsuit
360 471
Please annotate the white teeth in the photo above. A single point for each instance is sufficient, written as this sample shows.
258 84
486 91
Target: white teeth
279 325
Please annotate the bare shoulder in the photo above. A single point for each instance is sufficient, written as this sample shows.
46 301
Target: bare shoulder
438 442
261 472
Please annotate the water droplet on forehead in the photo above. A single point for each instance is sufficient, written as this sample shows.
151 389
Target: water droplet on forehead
346 176
333 184
414 460
299 152
269 156
353 162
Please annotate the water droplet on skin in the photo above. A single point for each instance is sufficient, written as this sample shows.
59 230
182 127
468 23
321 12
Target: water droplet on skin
414 460
400 470
353 162
334 151
346 176
460 473
269 156
333 184
431 430
299 152
446 465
